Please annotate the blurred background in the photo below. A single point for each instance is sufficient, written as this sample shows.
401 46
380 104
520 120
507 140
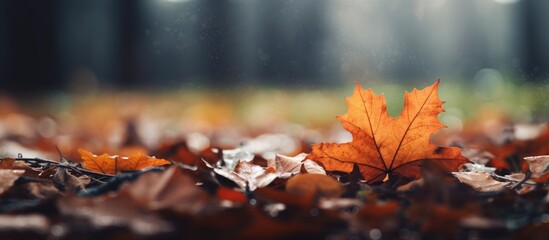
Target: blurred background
195 65
66 44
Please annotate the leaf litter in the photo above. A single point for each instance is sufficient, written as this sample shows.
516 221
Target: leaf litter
389 182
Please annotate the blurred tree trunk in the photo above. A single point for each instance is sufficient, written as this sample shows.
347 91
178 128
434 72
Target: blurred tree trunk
216 34
534 62
129 22
31 46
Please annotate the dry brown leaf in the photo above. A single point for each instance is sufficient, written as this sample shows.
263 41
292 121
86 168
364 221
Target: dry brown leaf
538 165
287 166
247 174
481 181
383 146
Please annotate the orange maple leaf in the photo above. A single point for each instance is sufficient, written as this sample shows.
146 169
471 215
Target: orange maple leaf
383 146
116 164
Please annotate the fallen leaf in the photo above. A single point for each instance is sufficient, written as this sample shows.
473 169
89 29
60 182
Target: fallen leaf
311 166
287 166
36 185
116 164
525 187
538 165
249 175
383 146
481 181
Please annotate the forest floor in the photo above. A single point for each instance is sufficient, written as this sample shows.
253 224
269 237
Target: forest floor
235 166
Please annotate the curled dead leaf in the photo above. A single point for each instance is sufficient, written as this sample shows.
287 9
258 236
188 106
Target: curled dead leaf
481 181
538 165
287 166
248 175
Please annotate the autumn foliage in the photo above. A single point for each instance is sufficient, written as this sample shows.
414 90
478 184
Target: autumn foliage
389 182
116 164
383 146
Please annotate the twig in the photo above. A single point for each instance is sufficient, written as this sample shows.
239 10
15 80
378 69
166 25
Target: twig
64 163
61 157
527 177
517 181
45 163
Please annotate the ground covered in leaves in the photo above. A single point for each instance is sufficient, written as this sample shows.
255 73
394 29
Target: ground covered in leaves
80 177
